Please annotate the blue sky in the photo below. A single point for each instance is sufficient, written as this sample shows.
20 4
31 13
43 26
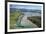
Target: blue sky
25 7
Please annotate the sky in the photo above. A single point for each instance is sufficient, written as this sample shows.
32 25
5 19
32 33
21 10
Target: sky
25 6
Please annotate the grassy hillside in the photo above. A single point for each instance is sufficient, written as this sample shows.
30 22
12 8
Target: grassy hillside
13 18
36 20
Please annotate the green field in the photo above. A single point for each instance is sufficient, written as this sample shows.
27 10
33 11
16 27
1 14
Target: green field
13 18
